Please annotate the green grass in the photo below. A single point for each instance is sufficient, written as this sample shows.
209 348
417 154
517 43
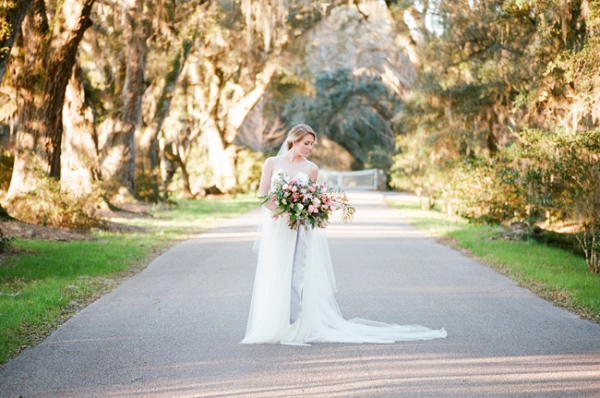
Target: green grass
554 274
191 217
46 282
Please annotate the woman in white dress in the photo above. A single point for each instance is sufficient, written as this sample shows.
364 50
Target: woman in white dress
293 298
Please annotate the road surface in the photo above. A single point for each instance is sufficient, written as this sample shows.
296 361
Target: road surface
173 330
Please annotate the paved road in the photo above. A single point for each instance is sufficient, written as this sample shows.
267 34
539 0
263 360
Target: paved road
173 330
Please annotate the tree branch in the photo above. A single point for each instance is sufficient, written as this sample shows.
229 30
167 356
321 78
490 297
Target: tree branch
365 16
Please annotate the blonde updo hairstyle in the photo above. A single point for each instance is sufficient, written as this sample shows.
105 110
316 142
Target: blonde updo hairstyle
297 133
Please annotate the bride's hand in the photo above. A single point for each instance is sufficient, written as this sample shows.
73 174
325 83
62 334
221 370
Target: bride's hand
271 204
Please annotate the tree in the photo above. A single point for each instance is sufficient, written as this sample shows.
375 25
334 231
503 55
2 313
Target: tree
347 79
80 167
260 133
118 131
49 54
354 111
503 121
490 68
241 52
239 69
11 17
149 153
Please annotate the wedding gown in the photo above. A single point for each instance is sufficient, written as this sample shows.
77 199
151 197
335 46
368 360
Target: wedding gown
293 298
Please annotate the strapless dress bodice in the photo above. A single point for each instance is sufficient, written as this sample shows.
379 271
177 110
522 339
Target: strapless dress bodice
300 176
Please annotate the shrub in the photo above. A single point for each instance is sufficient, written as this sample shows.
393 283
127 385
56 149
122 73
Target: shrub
546 177
562 173
48 206
248 169
416 168
5 242
147 187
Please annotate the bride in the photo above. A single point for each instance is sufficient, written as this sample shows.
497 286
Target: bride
293 299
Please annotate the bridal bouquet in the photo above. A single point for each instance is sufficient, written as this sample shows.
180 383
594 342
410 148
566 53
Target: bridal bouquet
307 203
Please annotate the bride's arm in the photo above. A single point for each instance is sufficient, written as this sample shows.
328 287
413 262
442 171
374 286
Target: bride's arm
314 172
265 182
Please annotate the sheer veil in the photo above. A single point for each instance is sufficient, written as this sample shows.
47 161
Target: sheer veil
284 148
264 212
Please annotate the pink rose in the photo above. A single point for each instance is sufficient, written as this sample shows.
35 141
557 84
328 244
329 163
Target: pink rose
311 188
311 208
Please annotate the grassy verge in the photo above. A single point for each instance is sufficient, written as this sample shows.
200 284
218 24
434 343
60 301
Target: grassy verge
554 274
46 282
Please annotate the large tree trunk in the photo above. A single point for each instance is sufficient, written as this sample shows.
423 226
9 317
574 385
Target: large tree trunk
174 156
118 132
148 153
221 158
79 161
222 152
12 18
49 56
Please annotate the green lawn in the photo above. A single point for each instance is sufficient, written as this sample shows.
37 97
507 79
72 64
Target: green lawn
552 273
47 282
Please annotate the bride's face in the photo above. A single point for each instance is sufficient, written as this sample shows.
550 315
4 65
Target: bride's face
304 145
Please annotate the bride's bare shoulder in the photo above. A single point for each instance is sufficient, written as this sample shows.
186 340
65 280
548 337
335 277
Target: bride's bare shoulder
270 162
274 159
312 166
313 170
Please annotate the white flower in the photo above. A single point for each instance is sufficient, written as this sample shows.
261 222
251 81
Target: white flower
285 187
300 206
303 190
316 202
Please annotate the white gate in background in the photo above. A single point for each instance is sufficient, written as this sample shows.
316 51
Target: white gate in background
371 179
